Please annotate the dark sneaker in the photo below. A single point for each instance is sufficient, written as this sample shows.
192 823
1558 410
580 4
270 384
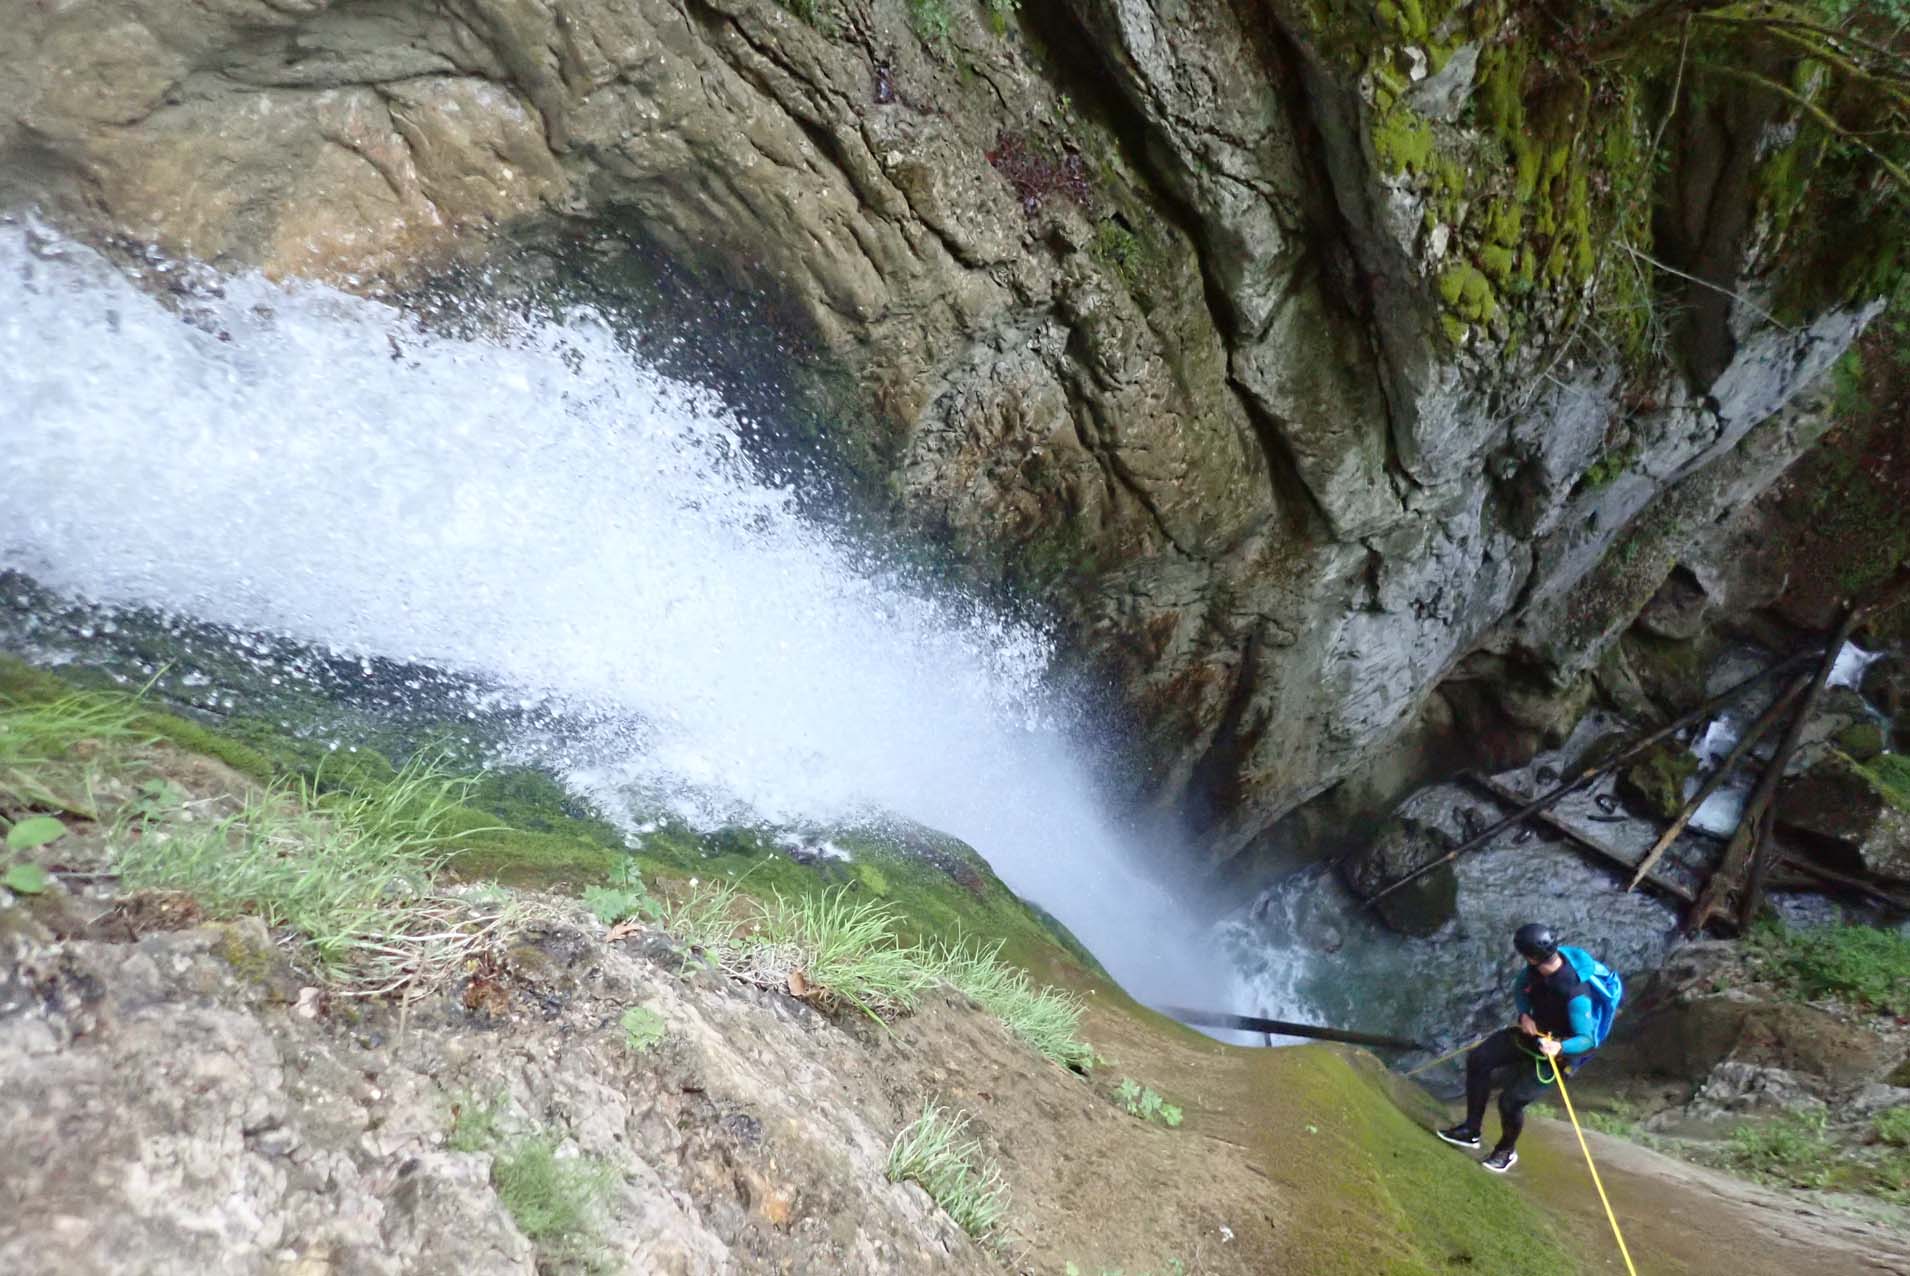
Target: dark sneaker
1459 1136
1501 1160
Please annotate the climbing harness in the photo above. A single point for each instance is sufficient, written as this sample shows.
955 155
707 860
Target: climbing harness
1456 1050
1558 1075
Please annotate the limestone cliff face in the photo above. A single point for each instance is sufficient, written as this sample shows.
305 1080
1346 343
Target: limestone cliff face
1293 352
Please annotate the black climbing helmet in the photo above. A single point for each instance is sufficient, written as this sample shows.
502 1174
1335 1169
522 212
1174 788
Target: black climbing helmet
1536 941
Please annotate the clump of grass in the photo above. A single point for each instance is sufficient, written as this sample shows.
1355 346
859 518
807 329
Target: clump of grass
555 1201
38 737
350 871
1859 964
1046 1020
705 920
1795 1149
932 1151
474 1123
846 950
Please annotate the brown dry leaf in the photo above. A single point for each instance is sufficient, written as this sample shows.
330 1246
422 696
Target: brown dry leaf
628 926
798 986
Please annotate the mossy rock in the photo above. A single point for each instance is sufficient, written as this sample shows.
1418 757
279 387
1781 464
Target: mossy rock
1655 783
1861 740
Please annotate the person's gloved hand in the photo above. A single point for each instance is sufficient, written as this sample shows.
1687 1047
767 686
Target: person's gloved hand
1548 1047
1526 1026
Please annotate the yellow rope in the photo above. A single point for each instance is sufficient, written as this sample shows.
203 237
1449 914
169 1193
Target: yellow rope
1558 1074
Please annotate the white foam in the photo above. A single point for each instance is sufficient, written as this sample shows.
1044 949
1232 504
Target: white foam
540 511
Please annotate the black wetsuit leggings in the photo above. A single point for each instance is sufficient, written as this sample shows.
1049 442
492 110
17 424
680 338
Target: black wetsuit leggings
1499 1061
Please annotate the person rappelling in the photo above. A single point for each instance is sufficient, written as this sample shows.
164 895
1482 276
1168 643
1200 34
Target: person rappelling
1566 1000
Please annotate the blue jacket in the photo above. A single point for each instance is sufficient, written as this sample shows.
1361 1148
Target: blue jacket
1584 1019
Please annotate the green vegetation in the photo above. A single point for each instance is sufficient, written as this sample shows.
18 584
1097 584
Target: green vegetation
643 1029
841 952
1047 1021
1796 1149
474 1123
1893 1127
953 1170
1861 965
555 1201
1119 249
931 19
1146 1103
1890 773
47 746
624 898
350 870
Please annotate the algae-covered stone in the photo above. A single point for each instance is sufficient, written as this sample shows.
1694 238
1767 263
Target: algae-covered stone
1403 846
1655 783
1845 817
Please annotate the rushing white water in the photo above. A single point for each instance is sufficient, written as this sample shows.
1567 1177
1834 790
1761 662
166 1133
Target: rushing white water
541 512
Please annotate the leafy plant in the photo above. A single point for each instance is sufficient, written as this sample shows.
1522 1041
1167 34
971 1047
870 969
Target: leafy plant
643 1029
952 1169
25 879
1893 1127
34 832
931 20
1146 1103
625 897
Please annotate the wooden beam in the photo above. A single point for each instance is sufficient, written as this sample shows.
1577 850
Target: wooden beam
1716 779
1597 849
1762 846
1592 773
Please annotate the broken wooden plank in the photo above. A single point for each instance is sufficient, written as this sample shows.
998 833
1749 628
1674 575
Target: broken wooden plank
1583 840
1715 781
1592 773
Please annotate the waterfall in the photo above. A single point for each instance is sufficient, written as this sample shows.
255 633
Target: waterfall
537 511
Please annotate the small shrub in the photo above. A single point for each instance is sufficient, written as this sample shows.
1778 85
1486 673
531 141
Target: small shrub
1795 1149
1859 964
1146 1103
953 1170
643 1029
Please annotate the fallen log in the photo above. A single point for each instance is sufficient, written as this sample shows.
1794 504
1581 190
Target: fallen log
1599 850
1592 773
1763 847
1251 1023
1716 779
